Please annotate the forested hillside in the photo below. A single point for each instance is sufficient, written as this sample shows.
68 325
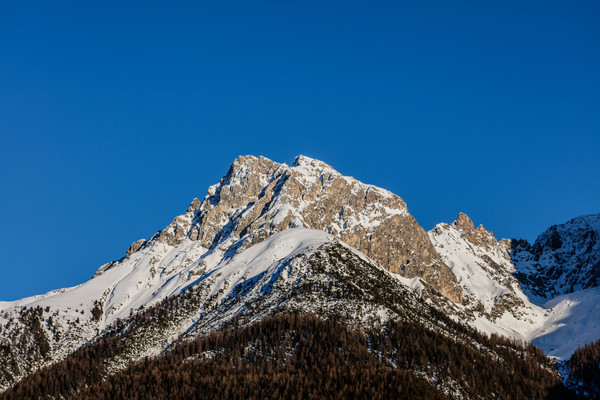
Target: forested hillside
304 356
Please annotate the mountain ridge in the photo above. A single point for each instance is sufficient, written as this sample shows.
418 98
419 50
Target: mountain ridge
497 301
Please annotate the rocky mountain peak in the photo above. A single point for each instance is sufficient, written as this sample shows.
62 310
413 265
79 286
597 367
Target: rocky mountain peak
483 268
259 197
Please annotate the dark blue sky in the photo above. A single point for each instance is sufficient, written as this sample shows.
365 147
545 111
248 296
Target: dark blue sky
113 117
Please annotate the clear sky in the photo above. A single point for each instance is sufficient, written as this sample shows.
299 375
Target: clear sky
115 115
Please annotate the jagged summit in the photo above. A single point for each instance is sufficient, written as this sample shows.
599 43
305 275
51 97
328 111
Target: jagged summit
483 267
259 197
302 160
301 164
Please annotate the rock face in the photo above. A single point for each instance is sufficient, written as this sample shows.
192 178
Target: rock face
259 197
564 259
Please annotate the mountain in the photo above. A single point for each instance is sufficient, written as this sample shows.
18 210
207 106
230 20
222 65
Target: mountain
272 240
224 244
483 267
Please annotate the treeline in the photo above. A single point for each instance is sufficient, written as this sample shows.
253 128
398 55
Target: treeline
294 356
585 369
303 357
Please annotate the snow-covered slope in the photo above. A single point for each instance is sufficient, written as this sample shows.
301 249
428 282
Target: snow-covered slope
487 270
482 266
73 316
571 321
160 270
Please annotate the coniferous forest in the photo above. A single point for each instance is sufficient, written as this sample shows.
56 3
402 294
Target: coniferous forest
304 357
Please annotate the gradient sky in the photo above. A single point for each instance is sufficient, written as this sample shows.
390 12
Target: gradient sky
114 116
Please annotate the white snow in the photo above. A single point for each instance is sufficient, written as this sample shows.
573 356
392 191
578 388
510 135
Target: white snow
158 271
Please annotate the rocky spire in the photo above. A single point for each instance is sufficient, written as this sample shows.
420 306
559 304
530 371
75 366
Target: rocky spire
464 223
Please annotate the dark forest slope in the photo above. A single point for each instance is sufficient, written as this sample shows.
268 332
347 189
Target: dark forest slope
303 356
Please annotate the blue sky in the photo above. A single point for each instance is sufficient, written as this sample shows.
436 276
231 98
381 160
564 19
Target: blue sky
114 116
